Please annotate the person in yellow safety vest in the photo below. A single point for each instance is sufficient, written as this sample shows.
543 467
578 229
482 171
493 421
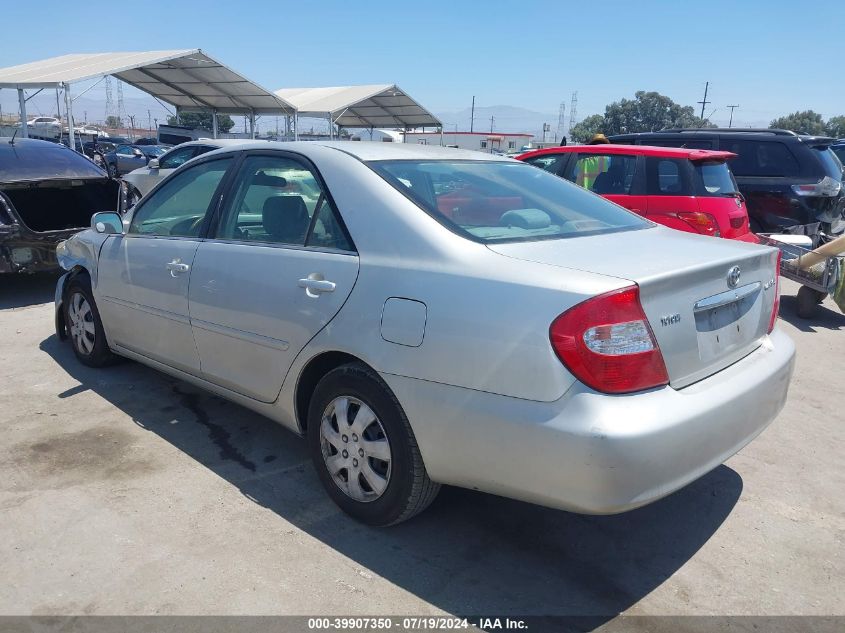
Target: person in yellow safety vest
589 167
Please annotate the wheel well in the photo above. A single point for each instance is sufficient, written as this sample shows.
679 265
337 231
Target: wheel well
313 372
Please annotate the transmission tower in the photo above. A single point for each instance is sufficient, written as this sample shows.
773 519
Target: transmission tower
573 110
121 111
109 101
561 122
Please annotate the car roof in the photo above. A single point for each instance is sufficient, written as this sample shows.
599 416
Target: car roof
217 142
373 150
639 150
731 133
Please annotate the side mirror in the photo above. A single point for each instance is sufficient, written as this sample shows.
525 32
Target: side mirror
137 152
153 164
107 223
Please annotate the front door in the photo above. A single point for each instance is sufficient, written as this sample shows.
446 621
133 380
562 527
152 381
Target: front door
275 271
143 276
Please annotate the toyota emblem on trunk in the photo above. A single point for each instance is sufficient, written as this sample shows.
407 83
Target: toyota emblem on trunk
733 277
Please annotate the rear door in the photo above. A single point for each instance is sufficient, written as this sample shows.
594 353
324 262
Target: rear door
616 177
275 271
143 276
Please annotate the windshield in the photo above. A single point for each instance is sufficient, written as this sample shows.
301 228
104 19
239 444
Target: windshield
715 179
491 201
42 160
832 166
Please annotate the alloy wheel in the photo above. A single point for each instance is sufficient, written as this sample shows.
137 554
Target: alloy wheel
355 449
82 328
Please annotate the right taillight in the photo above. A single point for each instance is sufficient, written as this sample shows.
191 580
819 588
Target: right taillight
776 305
607 344
701 222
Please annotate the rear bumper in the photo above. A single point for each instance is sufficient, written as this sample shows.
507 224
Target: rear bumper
590 452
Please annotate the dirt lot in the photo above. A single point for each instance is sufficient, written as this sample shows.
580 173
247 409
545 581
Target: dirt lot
123 491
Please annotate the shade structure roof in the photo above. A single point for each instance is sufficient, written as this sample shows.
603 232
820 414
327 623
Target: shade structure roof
188 79
377 105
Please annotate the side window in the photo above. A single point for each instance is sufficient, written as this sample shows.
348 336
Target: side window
668 177
761 158
177 157
604 174
180 205
274 200
550 162
483 144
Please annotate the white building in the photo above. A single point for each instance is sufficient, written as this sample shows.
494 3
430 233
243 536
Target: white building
480 141
374 134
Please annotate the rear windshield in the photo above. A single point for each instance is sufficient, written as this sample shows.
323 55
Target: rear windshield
33 160
492 201
714 179
830 162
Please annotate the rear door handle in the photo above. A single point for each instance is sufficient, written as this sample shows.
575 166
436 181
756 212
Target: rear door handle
176 267
313 287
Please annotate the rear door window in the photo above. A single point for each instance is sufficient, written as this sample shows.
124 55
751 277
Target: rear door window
761 159
667 177
604 174
177 157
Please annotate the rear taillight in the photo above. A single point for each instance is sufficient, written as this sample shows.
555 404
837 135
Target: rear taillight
738 222
776 305
607 344
703 223
826 187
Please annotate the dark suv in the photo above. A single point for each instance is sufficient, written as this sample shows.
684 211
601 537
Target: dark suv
786 178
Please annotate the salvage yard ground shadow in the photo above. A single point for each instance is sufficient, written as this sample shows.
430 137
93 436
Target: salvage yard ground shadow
827 317
469 553
19 290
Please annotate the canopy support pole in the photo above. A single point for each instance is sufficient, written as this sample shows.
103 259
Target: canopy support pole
252 124
214 127
22 106
331 128
296 125
69 112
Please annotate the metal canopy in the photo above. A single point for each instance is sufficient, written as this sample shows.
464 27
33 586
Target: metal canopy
188 79
380 105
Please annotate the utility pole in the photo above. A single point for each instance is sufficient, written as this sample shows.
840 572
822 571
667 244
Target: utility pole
149 117
730 123
472 116
704 101
132 122
491 124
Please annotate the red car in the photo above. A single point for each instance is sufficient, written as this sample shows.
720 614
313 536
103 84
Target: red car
687 189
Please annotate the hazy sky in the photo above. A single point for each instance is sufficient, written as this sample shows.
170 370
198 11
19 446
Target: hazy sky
770 57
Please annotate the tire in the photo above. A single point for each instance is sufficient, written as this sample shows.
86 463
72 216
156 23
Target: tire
112 170
84 326
375 491
807 302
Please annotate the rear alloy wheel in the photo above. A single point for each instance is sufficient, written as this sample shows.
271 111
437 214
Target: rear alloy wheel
112 169
84 327
364 449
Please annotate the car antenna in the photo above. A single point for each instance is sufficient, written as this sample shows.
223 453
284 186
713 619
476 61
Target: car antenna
12 141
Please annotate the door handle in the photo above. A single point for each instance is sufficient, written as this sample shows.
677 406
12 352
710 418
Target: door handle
176 267
313 287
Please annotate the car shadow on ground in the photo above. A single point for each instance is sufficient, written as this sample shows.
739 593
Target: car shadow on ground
469 553
22 290
827 316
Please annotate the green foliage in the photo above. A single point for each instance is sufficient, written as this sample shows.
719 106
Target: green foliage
202 119
835 126
648 112
113 122
807 122
583 131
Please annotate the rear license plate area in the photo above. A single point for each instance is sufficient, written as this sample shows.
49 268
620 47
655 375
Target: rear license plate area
727 321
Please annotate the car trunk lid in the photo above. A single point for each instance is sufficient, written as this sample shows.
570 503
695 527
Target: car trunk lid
702 320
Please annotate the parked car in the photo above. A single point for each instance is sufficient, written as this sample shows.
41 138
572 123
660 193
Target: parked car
786 178
44 124
145 178
96 150
439 316
124 158
688 190
838 148
146 140
47 193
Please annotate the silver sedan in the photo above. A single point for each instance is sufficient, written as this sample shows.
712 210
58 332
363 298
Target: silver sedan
430 316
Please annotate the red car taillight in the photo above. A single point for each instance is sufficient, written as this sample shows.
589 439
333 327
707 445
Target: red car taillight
607 344
776 305
703 223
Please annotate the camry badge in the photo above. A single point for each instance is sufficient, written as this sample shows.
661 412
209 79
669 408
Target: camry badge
733 277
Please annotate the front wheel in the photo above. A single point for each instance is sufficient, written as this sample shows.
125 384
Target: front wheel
364 450
84 327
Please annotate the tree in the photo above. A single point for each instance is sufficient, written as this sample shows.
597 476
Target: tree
807 122
648 112
202 119
836 126
586 129
113 122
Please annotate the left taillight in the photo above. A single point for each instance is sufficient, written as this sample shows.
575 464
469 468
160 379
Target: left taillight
776 304
701 222
607 343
